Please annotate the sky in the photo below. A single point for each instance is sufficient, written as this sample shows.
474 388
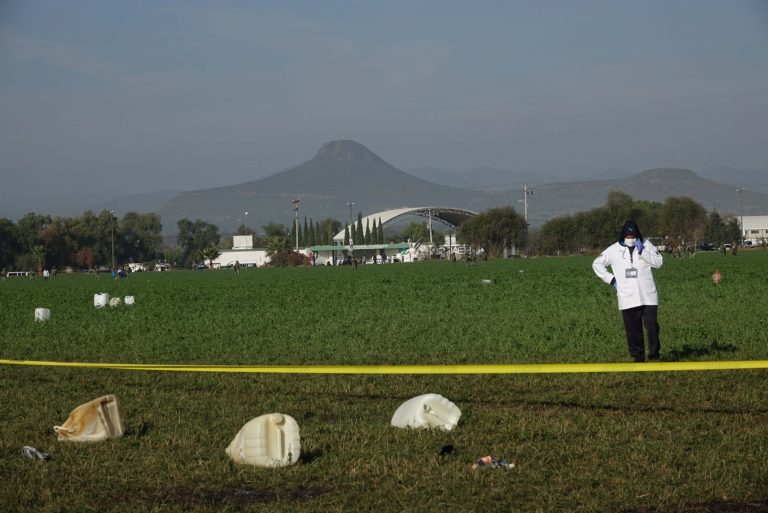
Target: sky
104 99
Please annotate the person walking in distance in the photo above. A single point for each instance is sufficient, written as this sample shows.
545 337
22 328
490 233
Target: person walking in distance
631 260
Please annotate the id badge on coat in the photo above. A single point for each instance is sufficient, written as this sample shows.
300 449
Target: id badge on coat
631 273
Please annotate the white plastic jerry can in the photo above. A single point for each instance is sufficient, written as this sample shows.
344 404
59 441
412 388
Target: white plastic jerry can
93 421
100 300
427 411
42 314
129 300
270 440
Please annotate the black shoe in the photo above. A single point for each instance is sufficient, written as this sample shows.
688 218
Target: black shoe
639 359
655 358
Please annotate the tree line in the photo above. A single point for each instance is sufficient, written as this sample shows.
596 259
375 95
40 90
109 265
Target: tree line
677 222
89 240
37 241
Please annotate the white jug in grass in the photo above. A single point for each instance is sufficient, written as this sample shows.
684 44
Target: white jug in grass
100 300
427 411
270 440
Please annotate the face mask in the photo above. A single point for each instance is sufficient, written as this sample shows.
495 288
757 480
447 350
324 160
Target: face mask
630 243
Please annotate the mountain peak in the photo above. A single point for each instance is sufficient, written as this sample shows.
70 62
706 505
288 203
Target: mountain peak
347 151
669 173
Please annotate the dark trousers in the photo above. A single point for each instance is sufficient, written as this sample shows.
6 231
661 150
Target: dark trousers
634 319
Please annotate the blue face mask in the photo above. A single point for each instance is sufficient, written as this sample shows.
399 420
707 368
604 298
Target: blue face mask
630 243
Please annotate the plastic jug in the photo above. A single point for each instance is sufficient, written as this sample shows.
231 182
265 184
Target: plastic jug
100 300
115 301
129 300
427 411
270 440
42 314
95 420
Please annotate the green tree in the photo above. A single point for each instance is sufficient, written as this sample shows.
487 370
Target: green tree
304 235
597 228
58 242
38 252
327 229
381 232
731 231
9 244
359 235
274 230
195 236
367 235
172 255
278 244
346 235
312 233
211 253
715 226
140 237
244 230
415 232
683 220
84 257
280 253
494 230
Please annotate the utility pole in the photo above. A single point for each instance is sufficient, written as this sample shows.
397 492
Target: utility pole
526 192
740 190
429 222
350 204
296 221
112 230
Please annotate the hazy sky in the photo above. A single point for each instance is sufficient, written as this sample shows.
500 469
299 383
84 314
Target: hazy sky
104 98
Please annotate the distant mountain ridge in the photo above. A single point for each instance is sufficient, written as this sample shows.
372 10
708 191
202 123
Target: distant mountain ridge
486 178
345 171
651 185
341 172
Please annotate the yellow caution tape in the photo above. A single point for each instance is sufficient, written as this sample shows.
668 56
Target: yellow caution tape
547 368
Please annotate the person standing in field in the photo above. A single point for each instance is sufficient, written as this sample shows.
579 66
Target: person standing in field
631 259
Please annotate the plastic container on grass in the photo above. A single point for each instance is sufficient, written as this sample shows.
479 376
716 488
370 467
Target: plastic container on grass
270 440
100 300
42 314
129 300
427 411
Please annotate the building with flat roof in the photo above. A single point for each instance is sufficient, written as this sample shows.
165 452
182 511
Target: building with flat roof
755 229
242 251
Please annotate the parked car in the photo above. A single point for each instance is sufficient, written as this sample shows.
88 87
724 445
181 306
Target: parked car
707 246
199 267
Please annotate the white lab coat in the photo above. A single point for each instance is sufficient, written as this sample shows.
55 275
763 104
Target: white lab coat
631 292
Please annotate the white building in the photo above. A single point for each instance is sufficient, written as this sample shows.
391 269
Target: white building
242 251
377 253
755 229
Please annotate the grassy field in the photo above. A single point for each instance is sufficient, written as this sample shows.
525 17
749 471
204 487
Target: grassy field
668 442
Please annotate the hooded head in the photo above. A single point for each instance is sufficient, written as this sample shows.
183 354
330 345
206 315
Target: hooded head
630 228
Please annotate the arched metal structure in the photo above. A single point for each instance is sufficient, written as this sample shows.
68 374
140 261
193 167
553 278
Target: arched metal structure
453 217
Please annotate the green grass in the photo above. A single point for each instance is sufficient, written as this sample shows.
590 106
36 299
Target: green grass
600 442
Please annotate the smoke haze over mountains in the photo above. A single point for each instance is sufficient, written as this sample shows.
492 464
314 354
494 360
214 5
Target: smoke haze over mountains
103 100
